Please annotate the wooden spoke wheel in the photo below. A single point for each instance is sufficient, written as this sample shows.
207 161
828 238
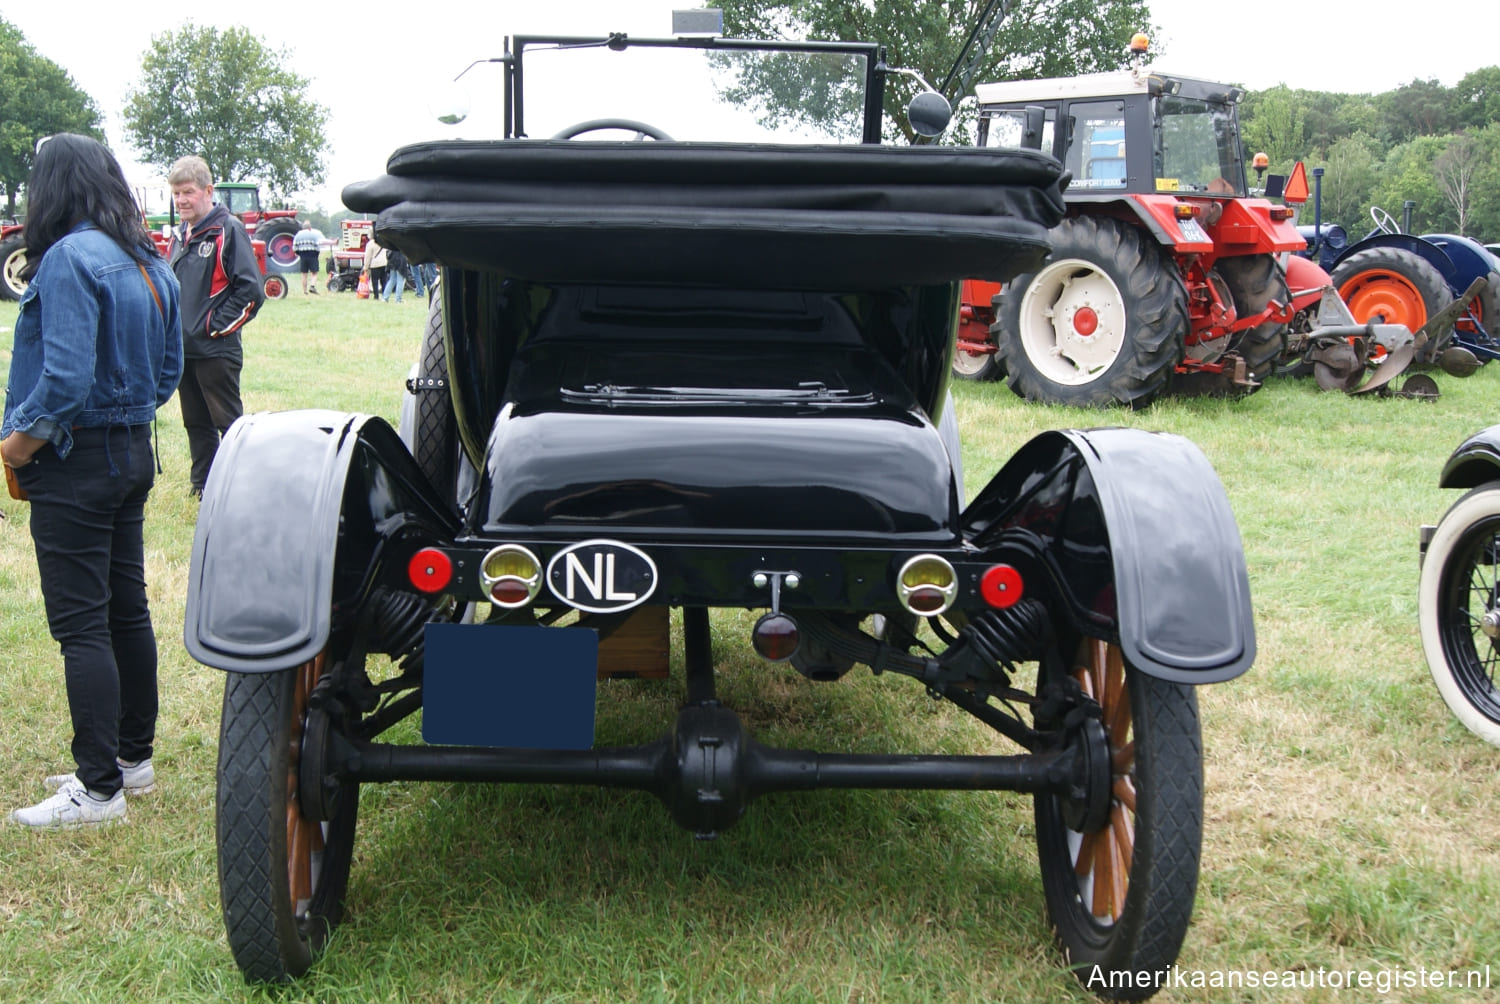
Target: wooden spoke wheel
1120 896
282 874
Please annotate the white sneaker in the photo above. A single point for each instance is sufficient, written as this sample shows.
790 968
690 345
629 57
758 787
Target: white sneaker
71 808
140 778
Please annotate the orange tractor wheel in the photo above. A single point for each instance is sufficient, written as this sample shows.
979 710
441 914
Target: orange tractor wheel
1390 284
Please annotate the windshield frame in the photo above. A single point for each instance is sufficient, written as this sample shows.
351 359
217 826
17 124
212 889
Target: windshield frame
872 53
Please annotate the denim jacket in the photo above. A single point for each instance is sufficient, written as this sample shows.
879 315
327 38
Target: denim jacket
91 349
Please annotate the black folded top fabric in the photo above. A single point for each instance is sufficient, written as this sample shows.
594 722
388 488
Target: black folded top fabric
746 215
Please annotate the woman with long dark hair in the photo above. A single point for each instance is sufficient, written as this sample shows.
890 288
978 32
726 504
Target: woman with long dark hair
98 348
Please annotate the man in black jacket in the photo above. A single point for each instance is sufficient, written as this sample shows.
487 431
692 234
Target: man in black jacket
221 291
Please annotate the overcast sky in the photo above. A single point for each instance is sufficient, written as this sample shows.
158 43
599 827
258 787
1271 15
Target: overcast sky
353 52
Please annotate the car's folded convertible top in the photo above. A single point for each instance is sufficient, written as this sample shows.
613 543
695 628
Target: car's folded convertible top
824 217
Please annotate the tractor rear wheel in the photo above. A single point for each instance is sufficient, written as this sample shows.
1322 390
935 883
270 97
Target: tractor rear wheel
278 234
1103 322
12 260
1254 281
1391 284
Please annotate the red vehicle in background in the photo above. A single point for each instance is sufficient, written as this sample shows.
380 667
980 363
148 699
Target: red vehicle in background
1166 266
13 259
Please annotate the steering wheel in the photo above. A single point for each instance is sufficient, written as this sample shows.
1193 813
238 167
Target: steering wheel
641 129
1384 220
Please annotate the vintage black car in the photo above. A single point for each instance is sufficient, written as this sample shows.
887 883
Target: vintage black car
676 370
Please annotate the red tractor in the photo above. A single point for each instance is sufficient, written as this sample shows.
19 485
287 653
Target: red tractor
276 227
13 259
348 258
1165 271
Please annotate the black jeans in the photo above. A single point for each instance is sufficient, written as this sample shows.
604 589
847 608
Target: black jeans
210 399
87 525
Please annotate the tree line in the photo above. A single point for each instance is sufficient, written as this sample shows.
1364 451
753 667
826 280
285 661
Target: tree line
223 95
227 96
1435 146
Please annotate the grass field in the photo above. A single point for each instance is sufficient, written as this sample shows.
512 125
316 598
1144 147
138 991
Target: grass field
1351 825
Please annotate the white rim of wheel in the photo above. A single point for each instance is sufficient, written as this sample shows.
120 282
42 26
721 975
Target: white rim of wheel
1452 527
14 262
1072 322
969 363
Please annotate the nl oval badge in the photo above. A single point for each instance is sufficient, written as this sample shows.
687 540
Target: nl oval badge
601 576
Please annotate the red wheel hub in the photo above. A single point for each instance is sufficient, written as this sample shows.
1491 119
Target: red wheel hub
1085 321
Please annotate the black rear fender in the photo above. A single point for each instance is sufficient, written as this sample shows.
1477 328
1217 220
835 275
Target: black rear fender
300 513
1476 461
1133 534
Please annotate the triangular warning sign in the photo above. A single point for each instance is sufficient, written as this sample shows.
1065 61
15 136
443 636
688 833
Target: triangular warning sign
1296 185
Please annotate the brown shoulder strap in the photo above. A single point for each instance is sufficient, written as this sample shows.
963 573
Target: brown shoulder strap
154 294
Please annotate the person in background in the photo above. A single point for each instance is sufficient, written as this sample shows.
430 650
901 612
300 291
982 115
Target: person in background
221 291
418 277
309 247
374 270
97 350
395 270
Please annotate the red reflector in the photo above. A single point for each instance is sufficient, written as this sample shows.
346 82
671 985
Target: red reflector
775 637
509 591
1001 586
430 570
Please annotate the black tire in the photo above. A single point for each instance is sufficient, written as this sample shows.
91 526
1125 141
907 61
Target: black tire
1393 284
1136 297
12 260
1142 931
979 367
1487 303
1254 281
278 234
1458 613
274 286
434 432
281 876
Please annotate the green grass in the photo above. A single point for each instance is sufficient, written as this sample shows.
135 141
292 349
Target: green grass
1351 823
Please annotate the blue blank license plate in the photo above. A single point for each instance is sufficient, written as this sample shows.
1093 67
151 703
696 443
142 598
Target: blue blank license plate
510 686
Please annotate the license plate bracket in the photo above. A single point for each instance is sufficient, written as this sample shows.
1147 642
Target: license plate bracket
510 686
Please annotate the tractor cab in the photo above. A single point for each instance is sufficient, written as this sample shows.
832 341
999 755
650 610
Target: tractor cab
1126 132
242 199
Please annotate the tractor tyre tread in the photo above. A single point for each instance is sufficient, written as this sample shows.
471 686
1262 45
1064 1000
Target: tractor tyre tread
1421 274
1254 281
1155 304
